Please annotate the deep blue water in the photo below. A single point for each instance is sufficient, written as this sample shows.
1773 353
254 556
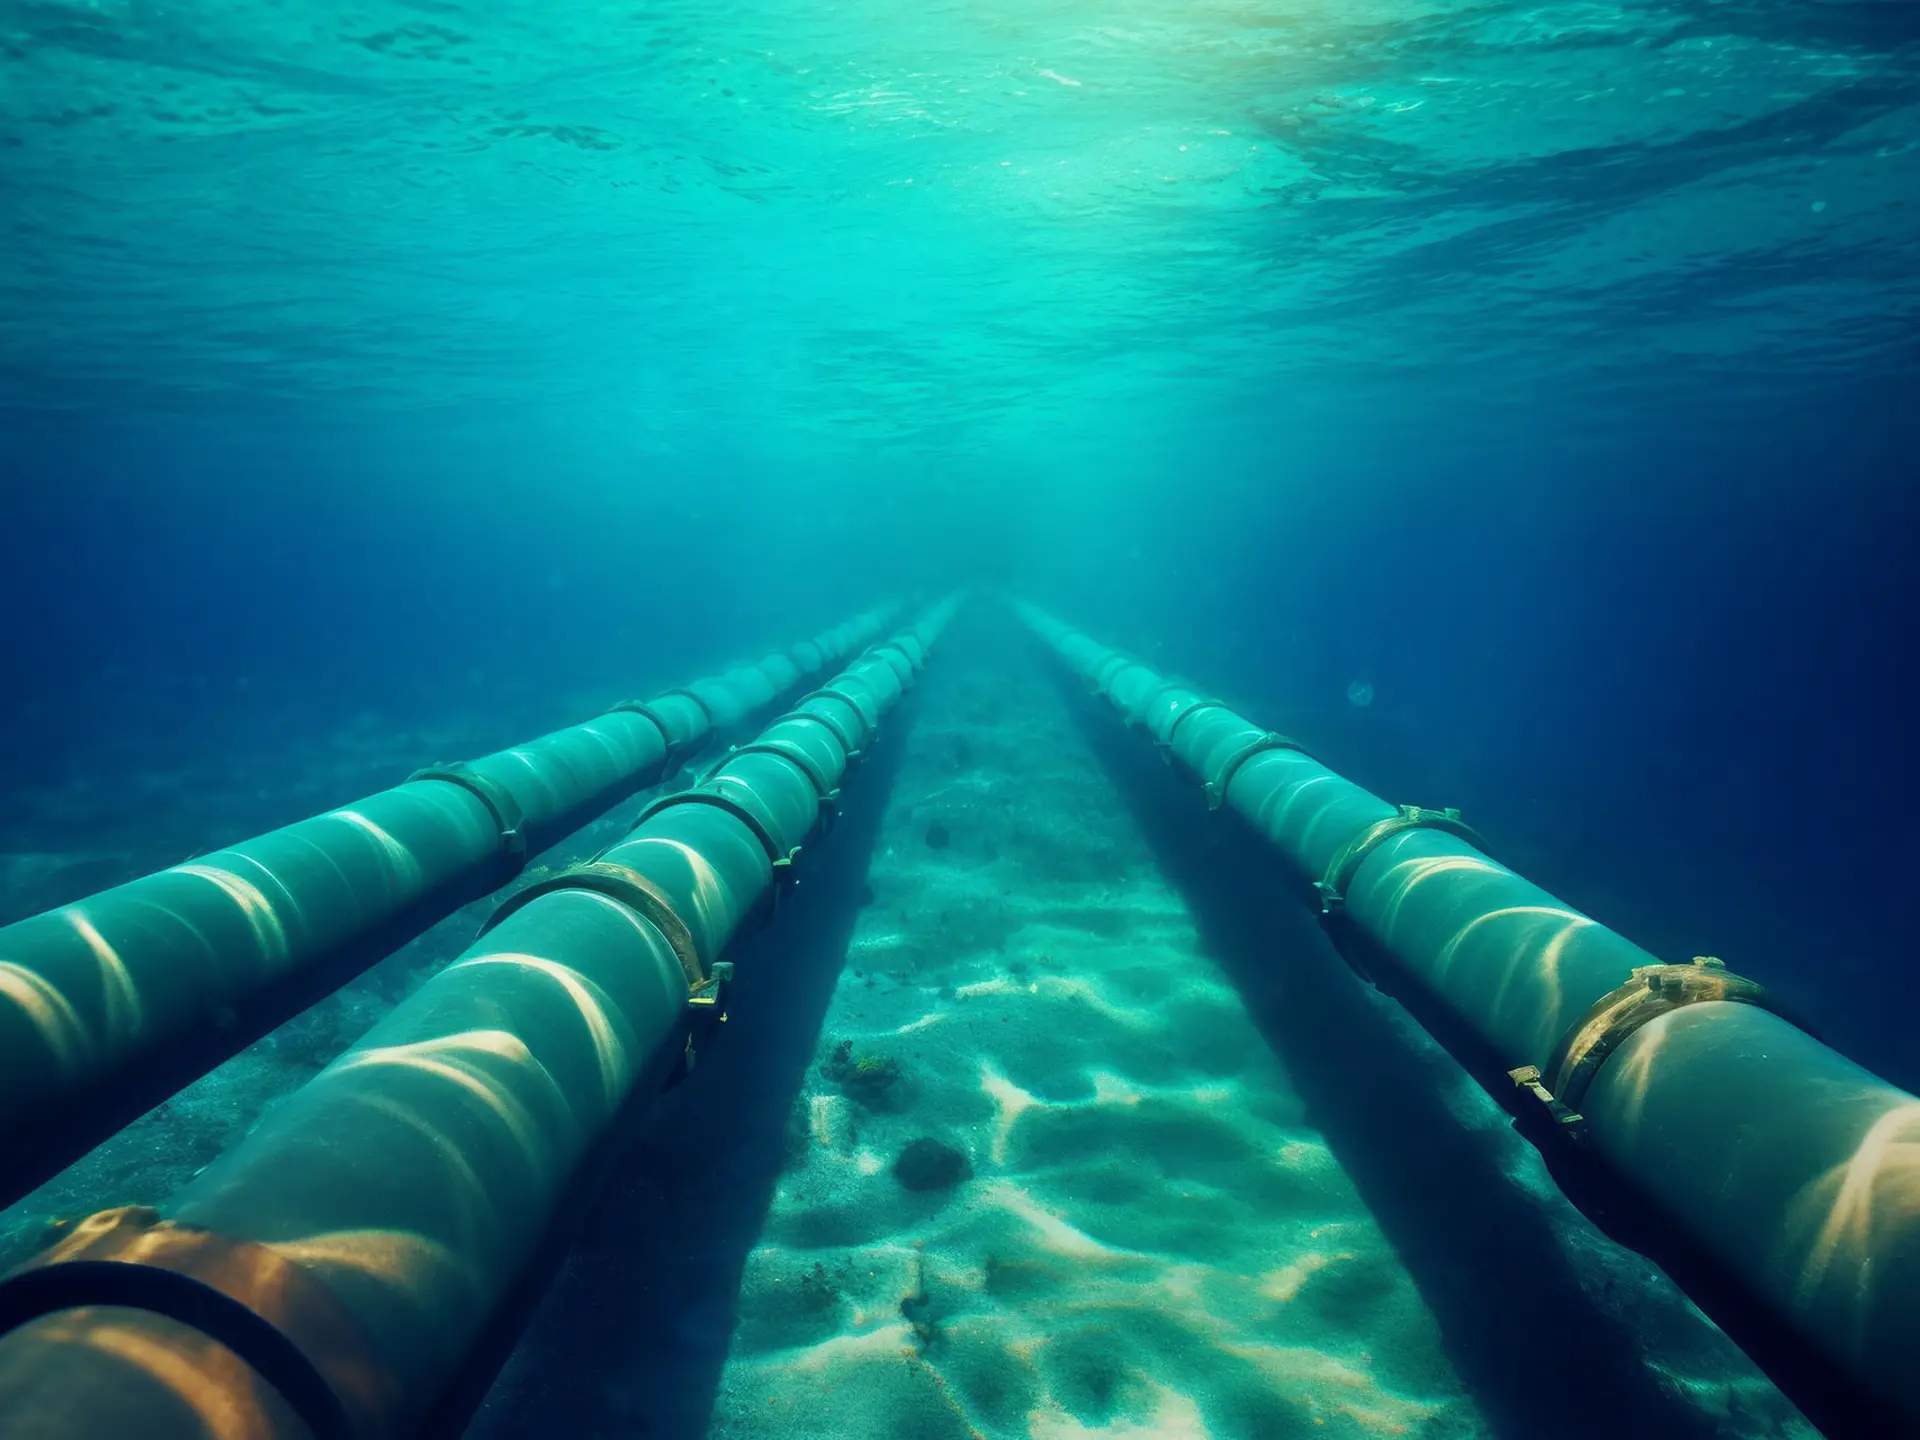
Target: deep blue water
388 383
1667 674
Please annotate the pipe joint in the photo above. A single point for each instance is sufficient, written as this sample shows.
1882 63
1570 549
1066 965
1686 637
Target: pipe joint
631 889
508 816
827 793
870 723
266 1309
1142 710
1346 863
719 800
1166 741
896 659
1100 681
1216 788
713 721
1652 991
644 709
833 727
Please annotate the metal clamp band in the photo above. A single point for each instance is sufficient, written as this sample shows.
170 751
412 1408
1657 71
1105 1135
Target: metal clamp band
906 680
631 889
826 722
1181 718
1154 694
249 1297
1348 860
645 709
1651 992
1216 788
713 721
792 754
508 818
871 722
699 796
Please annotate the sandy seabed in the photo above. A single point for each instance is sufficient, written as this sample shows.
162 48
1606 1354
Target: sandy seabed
1046 1178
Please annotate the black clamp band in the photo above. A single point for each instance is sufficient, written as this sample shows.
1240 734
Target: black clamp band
244 1295
913 671
507 815
1652 991
793 755
1217 787
645 709
192 1303
826 722
870 722
1181 718
1341 869
778 858
631 889
713 720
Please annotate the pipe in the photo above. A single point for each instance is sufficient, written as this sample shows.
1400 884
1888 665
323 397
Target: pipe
1776 1180
112 1002
331 1275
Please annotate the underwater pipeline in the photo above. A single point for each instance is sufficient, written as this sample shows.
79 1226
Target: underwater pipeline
1774 1179
330 1276
113 1002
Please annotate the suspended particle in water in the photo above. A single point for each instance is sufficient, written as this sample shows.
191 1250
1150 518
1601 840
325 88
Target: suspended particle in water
1360 693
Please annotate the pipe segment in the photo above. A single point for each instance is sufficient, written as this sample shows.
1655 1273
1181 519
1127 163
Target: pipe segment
108 1003
1777 1181
353 1251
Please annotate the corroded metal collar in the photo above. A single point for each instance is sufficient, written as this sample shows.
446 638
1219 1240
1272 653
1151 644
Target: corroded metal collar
508 817
1216 788
1347 861
631 889
1652 991
275 1316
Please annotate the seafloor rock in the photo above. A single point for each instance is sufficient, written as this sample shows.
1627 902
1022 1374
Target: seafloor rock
866 1079
929 1164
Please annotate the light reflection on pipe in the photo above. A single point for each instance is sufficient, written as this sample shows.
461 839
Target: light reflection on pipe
398 857
609 1050
49 1012
1405 876
399 1259
254 905
455 1058
1878 1185
709 895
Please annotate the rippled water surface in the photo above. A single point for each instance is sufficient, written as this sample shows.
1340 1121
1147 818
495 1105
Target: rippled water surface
964 223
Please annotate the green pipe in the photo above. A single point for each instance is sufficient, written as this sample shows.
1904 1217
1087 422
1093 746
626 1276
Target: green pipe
1778 1181
330 1276
109 1003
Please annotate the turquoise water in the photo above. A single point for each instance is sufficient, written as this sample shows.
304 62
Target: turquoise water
1512 402
961 231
